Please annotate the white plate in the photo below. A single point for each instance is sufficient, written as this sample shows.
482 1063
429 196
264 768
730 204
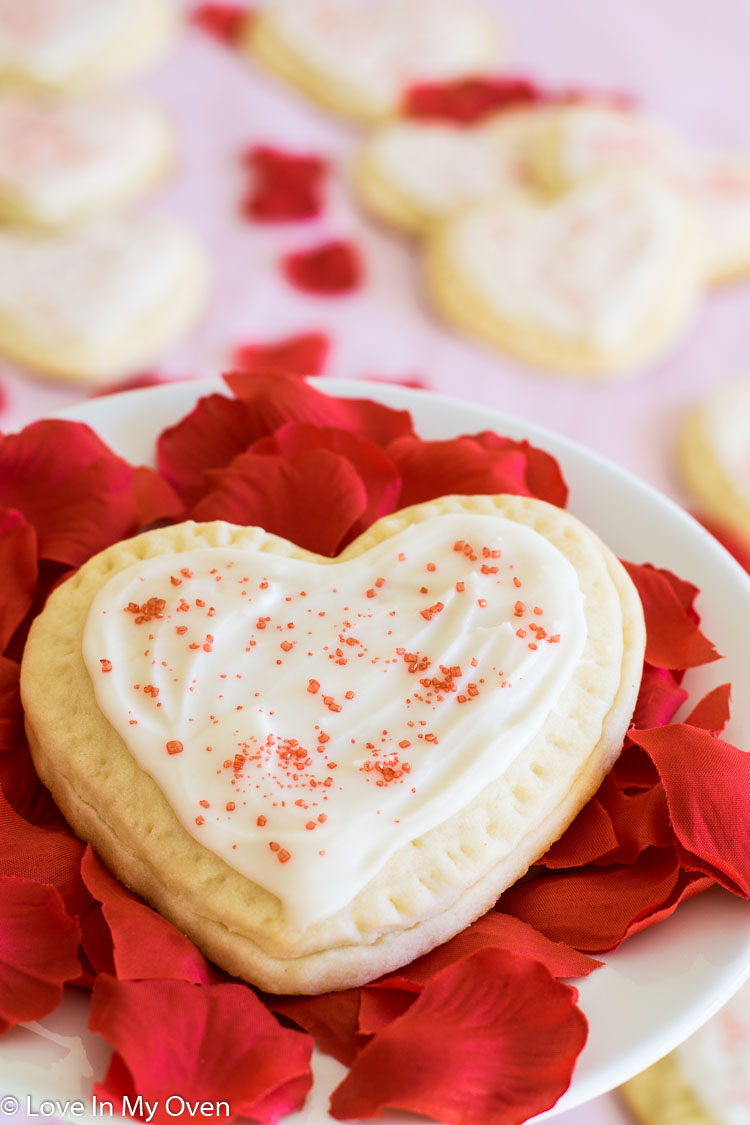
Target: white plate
664 983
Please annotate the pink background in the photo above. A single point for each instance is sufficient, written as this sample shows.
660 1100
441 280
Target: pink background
686 61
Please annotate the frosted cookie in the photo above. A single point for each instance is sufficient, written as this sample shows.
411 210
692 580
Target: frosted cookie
62 45
321 768
65 161
97 303
599 282
718 183
706 1080
414 173
358 58
714 456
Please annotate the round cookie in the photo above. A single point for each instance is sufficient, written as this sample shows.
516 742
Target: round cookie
348 845
357 59
63 162
598 282
94 304
718 184
713 454
414 173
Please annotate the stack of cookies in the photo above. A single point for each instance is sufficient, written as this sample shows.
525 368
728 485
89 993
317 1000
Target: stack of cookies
87 292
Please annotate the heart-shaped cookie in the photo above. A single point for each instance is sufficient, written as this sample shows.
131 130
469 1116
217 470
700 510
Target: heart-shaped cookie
96 303
358 59
598 282
61 162
61 45
321 768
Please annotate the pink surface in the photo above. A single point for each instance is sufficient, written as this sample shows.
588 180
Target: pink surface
686 62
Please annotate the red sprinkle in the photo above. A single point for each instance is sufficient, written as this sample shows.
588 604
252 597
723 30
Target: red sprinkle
106 665
175 747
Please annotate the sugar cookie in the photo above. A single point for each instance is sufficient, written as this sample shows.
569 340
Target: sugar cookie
321 768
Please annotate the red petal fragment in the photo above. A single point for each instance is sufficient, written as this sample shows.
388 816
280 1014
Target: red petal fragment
18 566
384 1001
38 947
590 836
223 1045
155 499
415 381
376 471
329 270
467 100
271 401
145 945
707 786
659 698
331 1019
673 639
70 486
285 186
11 715
728 538
491 1040
225 22
208 437
304 354
44 855
313 499
687 886
712 712
131 383
593 908
544 477
96 943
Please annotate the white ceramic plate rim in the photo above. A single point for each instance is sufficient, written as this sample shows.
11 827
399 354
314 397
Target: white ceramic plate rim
662 985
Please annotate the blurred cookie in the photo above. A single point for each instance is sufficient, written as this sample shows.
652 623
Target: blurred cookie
358 58
62 162
599 282
718 183
95 304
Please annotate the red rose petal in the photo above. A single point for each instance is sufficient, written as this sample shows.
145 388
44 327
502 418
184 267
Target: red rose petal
331 1018
376 471
491 1040
593 908
225 22
590 836
329 270
11 716
131 383
145 945
728 538
712 712
673 639
223 1044
313 499
304 354
707 787
465 101
38 946
70 486
272 401
18 565
45 855
383 1002
154 498
285 186
415 381
659 698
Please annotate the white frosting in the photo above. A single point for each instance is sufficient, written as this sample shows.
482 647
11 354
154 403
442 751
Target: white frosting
93 285
62 157
596 137
588 267
50 39
726 422
714 1062
407 754
383 47
719 185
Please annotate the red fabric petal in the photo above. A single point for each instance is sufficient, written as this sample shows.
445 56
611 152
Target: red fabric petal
728 538
313 499
673 639
145 945
329 270
18 566
594 907
383 1002
415 381
712 712
590 836
131 383
376 471
155 499
38 946
272 401
491 1040
225 22
70 486
331 1018
304 354
707 787
467 100
45 855
223 1044
284 186
11 715
659 698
